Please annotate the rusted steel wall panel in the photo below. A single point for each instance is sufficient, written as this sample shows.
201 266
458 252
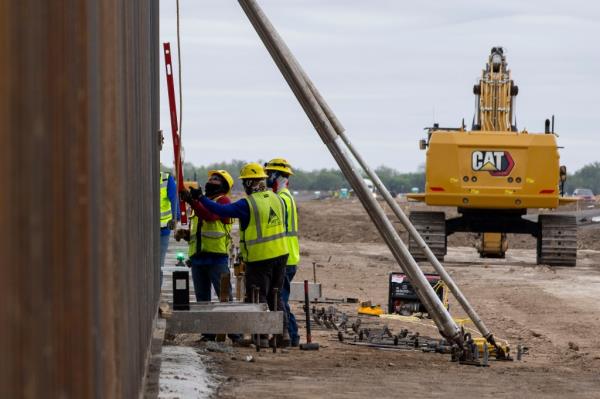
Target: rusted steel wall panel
79 204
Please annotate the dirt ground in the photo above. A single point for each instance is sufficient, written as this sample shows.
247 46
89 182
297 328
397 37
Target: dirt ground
553 311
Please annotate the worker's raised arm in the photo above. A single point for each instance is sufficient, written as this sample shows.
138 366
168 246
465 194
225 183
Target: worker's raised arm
172 194
238 209
202 212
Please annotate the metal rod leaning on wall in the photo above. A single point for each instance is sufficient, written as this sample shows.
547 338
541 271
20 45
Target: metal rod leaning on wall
439 268
287 65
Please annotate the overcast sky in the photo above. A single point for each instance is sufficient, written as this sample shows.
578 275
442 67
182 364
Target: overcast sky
387 68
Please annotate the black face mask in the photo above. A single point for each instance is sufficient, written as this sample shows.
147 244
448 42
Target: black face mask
273 176
211 189
247 187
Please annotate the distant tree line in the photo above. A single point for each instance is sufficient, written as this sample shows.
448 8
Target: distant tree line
395 181
586 177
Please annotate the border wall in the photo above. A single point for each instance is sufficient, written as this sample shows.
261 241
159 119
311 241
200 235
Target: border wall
79 159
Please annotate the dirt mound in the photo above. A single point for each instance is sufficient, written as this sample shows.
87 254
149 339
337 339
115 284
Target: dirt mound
339 221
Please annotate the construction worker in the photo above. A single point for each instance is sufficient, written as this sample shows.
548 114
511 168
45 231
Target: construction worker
209 239
279 171
169 213
209 236
263 241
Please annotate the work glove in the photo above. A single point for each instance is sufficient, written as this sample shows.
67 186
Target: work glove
171 224
196 193
182 234
185 196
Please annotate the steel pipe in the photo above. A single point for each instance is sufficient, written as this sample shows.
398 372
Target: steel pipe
439 268
299 85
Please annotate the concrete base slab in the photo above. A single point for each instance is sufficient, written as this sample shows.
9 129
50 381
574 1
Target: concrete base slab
226 318
297 291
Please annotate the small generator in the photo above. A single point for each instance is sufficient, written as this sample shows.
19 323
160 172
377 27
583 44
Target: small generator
403 299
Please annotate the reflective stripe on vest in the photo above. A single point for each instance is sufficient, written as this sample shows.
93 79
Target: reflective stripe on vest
265 235
215 236
292 227
192 245
165 203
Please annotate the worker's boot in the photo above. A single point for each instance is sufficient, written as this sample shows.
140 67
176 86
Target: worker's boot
280 341
286 340
244 341
295 342
264 341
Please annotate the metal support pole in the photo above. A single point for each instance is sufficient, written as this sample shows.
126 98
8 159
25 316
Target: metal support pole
439 268
290 70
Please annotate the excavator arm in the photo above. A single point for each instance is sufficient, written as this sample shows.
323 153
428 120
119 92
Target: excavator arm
495 96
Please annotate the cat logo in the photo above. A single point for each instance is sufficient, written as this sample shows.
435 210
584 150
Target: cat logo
498 163
273 218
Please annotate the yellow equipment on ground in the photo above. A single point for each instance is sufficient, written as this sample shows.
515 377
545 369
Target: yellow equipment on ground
480 341
494 173
368 309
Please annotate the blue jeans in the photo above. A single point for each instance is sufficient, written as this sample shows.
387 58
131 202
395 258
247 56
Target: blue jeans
164 245
290 272
205 275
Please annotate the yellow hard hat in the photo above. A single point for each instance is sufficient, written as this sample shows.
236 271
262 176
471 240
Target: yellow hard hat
225 175
279 164
252 170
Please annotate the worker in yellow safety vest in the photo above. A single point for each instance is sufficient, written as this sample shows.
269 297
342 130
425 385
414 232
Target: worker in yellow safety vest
263 238
209 236
279 171
209 240
169 213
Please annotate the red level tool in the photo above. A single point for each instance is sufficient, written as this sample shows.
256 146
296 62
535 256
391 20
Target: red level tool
174 128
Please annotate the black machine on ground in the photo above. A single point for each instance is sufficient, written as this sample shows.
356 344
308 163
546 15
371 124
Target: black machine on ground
403 299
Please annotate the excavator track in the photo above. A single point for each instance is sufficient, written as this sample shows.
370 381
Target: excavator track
557 240
432 227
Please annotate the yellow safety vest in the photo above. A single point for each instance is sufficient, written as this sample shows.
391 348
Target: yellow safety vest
265 236
165 203
292 226
215 236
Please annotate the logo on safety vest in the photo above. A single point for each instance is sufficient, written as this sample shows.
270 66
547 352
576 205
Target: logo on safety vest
498 163
273 218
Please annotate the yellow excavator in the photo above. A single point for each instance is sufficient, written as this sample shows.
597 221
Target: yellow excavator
493 174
